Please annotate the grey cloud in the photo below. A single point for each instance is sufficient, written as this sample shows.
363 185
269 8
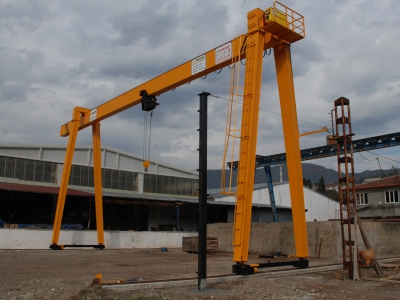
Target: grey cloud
21 17
153 26
20 69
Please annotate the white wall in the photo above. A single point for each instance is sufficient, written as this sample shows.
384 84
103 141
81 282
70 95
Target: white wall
19 238
318 206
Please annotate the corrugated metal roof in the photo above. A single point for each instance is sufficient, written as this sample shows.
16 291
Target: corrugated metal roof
385 182
40 189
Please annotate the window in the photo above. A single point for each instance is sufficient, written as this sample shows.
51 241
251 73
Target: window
362 198
391 197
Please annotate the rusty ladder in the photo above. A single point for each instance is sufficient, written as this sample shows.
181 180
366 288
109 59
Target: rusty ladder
344 138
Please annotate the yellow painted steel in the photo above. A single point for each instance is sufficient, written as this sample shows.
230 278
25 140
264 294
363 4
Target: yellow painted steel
248 140
263 33
259 26
284 75
98 193
69 155
323 129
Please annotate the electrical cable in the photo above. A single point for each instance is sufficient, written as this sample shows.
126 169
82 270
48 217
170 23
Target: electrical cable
270 112
380 167
365 158
383 156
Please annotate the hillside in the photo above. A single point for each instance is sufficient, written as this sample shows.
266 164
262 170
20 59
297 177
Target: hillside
310 171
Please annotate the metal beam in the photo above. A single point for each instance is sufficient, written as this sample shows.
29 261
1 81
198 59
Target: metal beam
360 145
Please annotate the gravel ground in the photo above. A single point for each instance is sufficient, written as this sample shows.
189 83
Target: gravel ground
67 274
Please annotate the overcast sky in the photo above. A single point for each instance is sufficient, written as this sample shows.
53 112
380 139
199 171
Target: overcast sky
55 55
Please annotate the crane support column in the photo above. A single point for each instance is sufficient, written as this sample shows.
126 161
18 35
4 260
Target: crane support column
98 194
69 155
284 76
248 140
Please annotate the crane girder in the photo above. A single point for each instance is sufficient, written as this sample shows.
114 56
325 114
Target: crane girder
169 80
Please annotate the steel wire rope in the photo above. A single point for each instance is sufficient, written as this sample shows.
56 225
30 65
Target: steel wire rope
144 134
147 133
262 109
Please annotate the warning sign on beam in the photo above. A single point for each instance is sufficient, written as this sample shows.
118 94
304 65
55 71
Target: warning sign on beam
93 114
198 64
223 53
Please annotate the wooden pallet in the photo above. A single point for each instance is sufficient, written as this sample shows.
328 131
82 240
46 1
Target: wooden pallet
10 225
191 244
390 266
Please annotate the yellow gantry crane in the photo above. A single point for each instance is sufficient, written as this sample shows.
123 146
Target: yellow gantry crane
275 27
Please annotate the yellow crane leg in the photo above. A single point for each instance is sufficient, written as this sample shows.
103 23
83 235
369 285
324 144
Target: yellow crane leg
248 140
284 76
98 194
69 155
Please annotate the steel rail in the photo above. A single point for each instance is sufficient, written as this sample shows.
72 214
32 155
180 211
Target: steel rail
192 281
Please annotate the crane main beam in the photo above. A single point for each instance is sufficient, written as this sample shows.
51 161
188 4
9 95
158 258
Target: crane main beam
193 69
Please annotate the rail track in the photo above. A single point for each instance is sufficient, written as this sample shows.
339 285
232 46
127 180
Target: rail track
122 285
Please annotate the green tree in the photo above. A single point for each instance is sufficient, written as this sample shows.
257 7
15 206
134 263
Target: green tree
332 194
321 185
307 183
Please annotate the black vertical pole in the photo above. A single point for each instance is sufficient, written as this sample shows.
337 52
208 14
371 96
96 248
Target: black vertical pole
202 216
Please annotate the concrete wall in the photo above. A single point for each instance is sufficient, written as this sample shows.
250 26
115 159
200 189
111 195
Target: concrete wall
40 238
267 238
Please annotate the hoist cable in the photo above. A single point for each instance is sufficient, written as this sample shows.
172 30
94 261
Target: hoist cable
147 139
151 119
144 135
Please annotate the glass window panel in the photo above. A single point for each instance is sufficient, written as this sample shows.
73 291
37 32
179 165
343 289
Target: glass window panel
114 179
29 170
19 169
2 166
147 183
160 184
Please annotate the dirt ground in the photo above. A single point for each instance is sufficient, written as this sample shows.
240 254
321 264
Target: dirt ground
67 274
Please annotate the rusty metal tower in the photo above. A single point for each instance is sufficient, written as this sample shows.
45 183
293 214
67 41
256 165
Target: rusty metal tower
344 138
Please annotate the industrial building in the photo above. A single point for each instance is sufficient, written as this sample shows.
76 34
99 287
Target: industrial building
132 198
163 199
